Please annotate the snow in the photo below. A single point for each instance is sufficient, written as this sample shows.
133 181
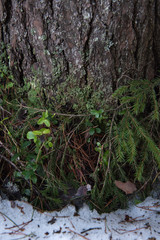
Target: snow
18 220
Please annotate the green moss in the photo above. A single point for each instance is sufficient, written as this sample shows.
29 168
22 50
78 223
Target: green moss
80 99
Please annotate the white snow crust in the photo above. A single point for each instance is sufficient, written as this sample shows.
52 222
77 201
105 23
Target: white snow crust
18 220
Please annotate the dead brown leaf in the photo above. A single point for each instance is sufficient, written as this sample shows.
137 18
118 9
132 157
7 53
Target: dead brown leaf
128 187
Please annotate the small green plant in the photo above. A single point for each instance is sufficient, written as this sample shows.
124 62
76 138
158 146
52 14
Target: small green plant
98 114
37 135
103 155
43 120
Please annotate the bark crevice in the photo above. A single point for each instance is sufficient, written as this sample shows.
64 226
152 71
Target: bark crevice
136 33
86 47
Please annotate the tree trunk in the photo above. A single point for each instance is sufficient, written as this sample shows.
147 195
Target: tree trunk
96 42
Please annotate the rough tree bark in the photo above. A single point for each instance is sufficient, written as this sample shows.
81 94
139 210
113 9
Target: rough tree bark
92 40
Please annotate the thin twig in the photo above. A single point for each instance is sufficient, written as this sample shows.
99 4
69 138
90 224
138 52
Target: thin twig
62 114
10 219
95 205
5 110
133 230
72 132
90 229
146 182
56 113
105 225
22 224
11 137
77 233
110 201
72 224
10 153
11 163
148 208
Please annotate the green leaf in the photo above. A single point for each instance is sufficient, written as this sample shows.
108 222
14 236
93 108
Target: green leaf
27 192
9 85
38 143
45 130
98 144
98 130
47 122
50 139
95 113
101 111
30 135
92 131
50 144
35 139
88 123
34 179
46 114
34 167
38 132
98 149
27 174
17 174
105 156
40 121
41 131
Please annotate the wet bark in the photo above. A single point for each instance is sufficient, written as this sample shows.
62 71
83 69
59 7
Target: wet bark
96 42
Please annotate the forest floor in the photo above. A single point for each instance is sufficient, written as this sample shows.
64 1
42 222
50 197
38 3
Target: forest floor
20 221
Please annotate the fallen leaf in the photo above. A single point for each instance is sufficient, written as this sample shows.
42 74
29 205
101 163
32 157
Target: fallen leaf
127 187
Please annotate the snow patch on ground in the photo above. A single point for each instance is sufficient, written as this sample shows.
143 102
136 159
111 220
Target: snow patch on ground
18 220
